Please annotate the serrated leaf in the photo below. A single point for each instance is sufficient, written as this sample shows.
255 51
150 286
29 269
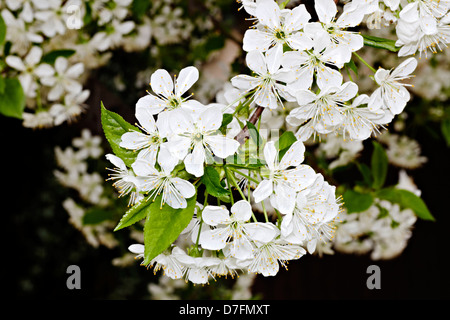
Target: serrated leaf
211 180
357 202
12 100
135 214
114 126
407 200
164 225
379 165
380 43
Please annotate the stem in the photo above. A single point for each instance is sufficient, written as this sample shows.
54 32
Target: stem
244 175
244 134
228 185
233 180
265 211
364 61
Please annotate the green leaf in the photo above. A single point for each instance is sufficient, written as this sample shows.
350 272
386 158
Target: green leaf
53 55
352 66
356 201
164 225
12 100
285 142
226 120
366 173
445 129
2 30
407 200
114 126
140 7
254 134
211 180
379 165
380 43
97 215
135 214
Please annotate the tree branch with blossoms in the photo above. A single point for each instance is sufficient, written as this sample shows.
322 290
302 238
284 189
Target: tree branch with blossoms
195 172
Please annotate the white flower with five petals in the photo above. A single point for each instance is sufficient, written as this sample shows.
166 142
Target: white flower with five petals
283 178
269 83
201 136
233 232
148 142
174 190
277 27
392 94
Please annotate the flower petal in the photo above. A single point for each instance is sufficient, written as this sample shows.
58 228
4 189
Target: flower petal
263 190
188 76
161 83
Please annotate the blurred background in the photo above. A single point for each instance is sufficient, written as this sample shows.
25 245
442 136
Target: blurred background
53 219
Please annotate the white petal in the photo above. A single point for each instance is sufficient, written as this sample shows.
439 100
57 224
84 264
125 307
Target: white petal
187 77
195 161
256 62
76 70
146 119
294 156
405 68
269 14
296 19
214 215
270 154
256 40
300 41
263 190
262 232
326 10
273 58
137 248
44 70
242 210
214 239
144 168
244 82
15 62
210 119
186 189
222 146
155 104
116 161
34 56
161 83
61 64
166 159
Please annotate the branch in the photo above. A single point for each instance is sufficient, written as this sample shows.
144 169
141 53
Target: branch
244 134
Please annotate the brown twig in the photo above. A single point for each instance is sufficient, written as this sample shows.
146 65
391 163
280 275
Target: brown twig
243 135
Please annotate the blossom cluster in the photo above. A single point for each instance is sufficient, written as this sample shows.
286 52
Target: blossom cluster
383 230
51 47
181 147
